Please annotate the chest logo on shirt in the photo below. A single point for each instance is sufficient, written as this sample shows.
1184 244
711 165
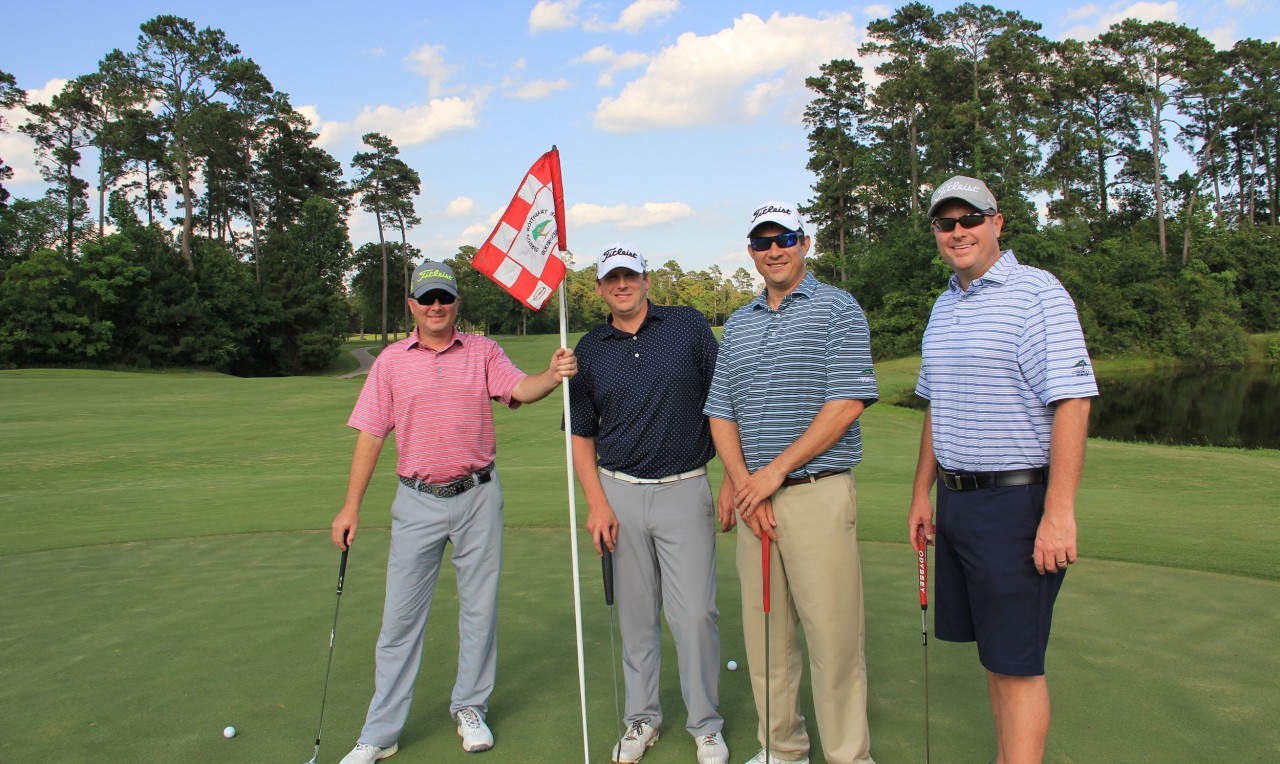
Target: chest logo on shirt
1082 368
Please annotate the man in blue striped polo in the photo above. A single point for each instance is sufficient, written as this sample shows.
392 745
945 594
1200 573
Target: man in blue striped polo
1008 380
793 375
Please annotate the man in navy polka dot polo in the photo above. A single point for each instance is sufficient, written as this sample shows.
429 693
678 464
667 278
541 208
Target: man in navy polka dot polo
640 448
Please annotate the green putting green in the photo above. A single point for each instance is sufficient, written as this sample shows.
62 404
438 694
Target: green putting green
167 572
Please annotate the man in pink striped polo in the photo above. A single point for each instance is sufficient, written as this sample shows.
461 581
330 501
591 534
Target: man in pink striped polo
434 389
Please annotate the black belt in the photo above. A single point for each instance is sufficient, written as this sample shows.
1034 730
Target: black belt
449 490
971 481
812 477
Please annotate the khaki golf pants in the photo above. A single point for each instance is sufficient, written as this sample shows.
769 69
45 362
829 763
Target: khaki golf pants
815 581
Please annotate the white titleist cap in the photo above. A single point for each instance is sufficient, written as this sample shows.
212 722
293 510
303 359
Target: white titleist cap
968 190
784 214
617 256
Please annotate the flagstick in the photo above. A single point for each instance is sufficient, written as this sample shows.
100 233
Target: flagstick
573 538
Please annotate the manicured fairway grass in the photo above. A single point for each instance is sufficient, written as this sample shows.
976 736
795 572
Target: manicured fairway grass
166 573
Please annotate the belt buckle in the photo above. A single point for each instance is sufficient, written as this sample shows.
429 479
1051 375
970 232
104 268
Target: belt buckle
966 482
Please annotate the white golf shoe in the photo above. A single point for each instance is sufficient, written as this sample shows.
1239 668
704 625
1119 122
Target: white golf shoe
639 738
712 750
474 732
759 758
364 753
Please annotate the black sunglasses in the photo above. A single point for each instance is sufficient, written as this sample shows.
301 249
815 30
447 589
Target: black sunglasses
434 296
972 220
783 240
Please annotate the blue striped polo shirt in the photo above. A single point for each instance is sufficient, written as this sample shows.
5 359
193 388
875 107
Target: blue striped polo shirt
776 369
994 357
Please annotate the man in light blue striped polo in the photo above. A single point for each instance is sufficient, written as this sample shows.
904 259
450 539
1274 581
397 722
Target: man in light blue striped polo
792 377
1009 381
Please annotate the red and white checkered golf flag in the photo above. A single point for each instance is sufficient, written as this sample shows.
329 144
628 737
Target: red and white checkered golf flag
521 254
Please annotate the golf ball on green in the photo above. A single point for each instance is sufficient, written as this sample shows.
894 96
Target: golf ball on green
732 665
229 732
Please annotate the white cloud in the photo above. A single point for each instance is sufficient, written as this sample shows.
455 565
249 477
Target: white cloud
1102 20
514 85
405 127
625 216
17 150
312 114
1234 4
721 78
1223 37
463 205
636 16
428 60
613 62
474 234
45 94
532 91
1083 12
878 11
553 15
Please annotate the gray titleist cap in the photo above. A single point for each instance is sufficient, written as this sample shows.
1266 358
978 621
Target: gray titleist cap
971 191
432 275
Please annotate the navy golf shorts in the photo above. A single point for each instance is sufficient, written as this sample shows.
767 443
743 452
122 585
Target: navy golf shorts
985 583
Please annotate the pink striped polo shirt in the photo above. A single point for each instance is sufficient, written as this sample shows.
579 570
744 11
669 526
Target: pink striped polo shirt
438 403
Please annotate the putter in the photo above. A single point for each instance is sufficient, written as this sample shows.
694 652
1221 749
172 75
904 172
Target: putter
923 558
606 564
342 573
764 569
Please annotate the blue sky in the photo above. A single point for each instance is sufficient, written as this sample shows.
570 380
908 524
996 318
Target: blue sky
674 118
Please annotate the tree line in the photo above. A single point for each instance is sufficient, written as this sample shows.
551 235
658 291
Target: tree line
1074 138
229 246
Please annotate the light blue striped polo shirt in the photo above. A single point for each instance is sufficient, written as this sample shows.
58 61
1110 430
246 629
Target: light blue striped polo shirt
994 357
776 369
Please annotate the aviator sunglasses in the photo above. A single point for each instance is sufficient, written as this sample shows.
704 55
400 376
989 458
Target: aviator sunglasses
972 220
783 240
431 298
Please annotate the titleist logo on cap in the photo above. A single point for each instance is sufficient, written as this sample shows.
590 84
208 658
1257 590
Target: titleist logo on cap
618 252
769 208
952 186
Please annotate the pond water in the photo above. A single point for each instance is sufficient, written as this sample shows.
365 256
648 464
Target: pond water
1218 407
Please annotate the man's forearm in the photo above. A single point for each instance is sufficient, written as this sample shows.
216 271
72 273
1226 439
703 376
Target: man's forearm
830 425
363 463
728 442
584 464
1066 450
926 461
535 387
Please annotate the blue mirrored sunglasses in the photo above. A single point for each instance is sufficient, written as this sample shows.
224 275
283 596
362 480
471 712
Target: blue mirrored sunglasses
783 240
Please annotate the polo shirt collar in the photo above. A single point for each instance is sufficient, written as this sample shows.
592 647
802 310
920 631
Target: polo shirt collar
414 341
998 273
807 286
654 313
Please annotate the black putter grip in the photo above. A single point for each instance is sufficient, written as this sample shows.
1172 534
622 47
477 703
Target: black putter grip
606 565
342 568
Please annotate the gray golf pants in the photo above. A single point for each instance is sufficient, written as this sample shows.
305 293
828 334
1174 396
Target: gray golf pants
665 559
421 524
